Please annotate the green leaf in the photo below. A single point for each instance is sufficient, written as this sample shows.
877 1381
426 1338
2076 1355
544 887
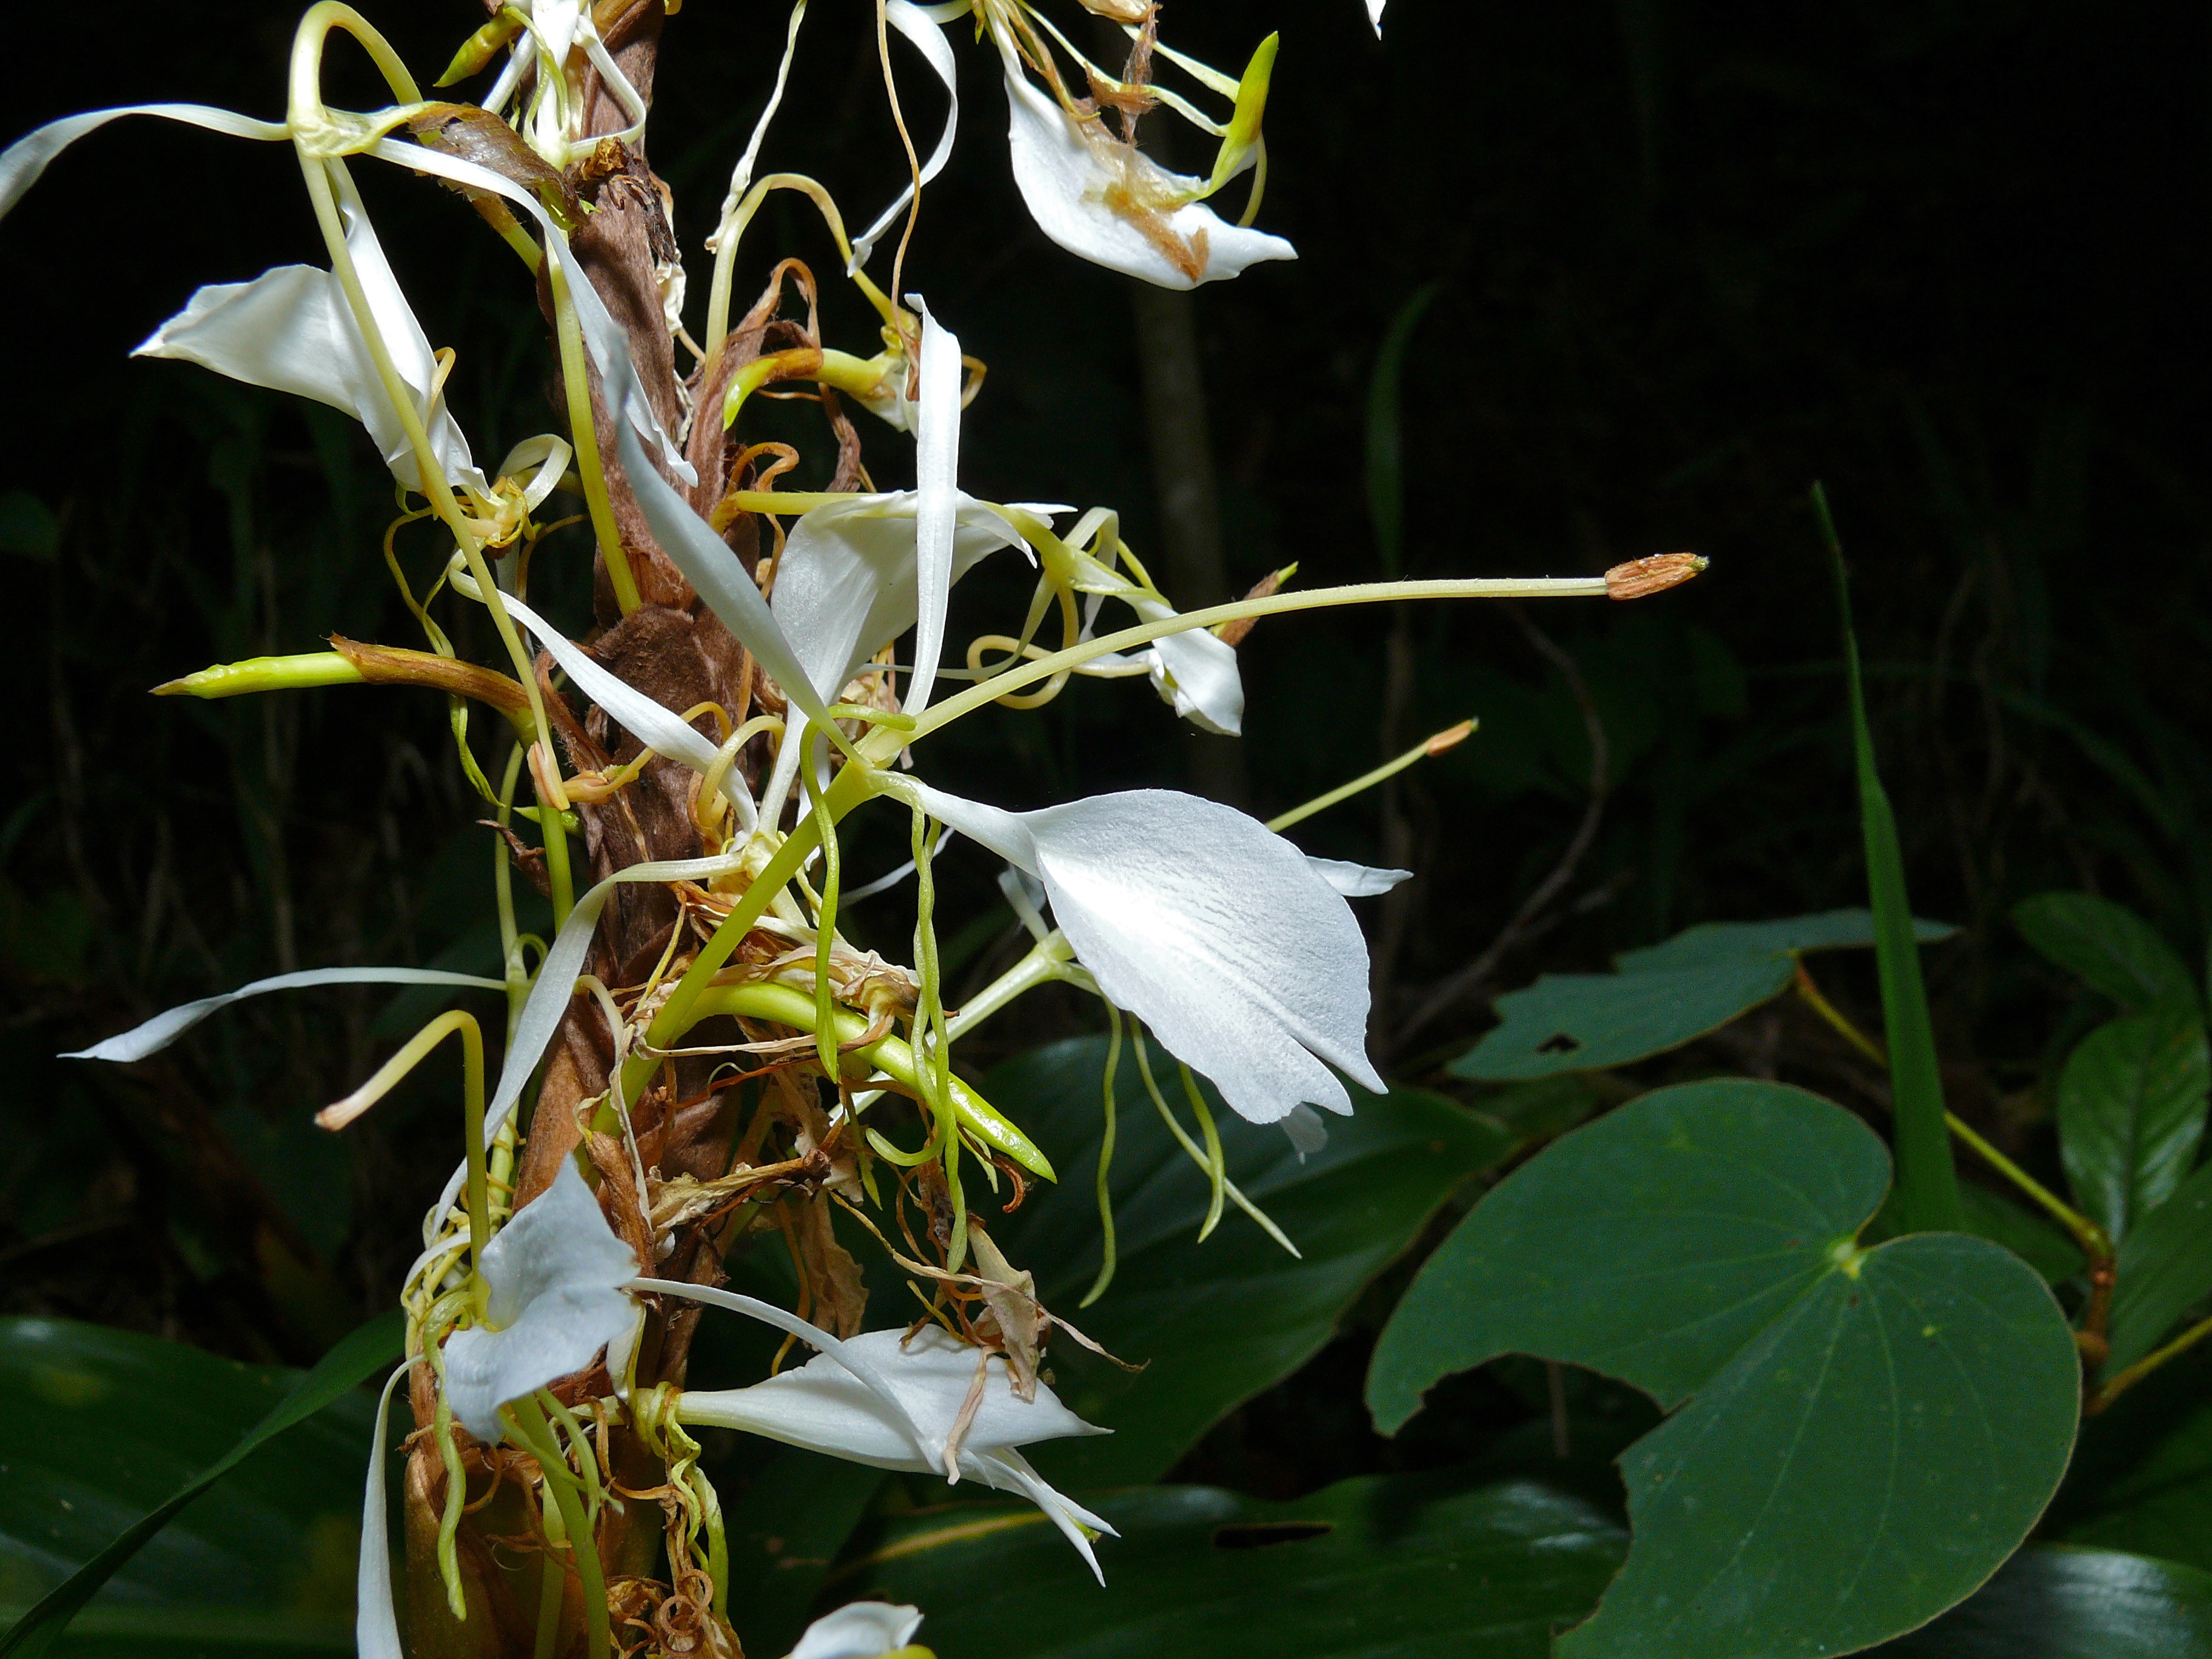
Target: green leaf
1386 469
780 1548
2131 1107
2165 1269
1227 1319
2141 1477
104 1631
2106 946
1917 1400
109 1435
1406 1566
1651 1245
2035 1241
1927 1183
2060 1603
1663 996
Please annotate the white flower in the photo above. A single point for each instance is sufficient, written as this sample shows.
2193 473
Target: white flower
859 1629
291 330
556 1274
1216 933
846 587
1193 671
1108 203
1375 15
825 1407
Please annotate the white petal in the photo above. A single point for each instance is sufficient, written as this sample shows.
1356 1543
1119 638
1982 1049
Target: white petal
164 1029
846 585
933 1372
861 1630
1375 15
555 1274
292 330
820 1406
936 417
22 161
1210 929
1066 185
928 38
1306 1132
1009 1471
375 1622
1357 880
557 979
603 336
662 729
1196 673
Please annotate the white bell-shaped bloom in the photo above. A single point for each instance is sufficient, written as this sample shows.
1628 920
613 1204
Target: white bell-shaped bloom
859 1629
824 1407
1107 202
1213 930
292 330
555 1274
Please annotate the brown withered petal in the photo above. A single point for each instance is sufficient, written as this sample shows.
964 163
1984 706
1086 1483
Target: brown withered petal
1233 633
393 665
478 135
1639 577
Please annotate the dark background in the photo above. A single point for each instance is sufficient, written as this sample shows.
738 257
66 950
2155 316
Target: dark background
1947 257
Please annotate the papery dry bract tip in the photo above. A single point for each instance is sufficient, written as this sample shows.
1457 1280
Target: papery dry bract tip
1641 578
1451 737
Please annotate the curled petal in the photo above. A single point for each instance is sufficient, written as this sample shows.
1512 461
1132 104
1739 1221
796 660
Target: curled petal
165 1027
859 1629
555 1274
1357 880
1108 203
1212 929
22 161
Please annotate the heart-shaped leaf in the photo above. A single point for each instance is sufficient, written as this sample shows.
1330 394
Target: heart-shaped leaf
2106 946
1410 1566
1663 996
2131 1112
1868 1433
1221 1320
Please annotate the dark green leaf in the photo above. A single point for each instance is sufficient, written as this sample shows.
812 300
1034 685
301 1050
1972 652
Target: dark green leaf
1224 1320
2165 1269
2053 1603
2035 1241
1386 481
106 1631
29 528
1651 1245
1411 1567
1927 1182
2131 1112
109 1435
1583 1022
784 1533
2106 946
1917 1400
2141 1477
1867 1462
1663 995
1718 941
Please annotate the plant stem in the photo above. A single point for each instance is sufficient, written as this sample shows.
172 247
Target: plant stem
536 1433
2114 1387
2086 1233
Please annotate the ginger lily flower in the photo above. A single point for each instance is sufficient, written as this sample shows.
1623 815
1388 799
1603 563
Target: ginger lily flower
1216 933
555 1276
862 1630
824 1407
1105 200
291 330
